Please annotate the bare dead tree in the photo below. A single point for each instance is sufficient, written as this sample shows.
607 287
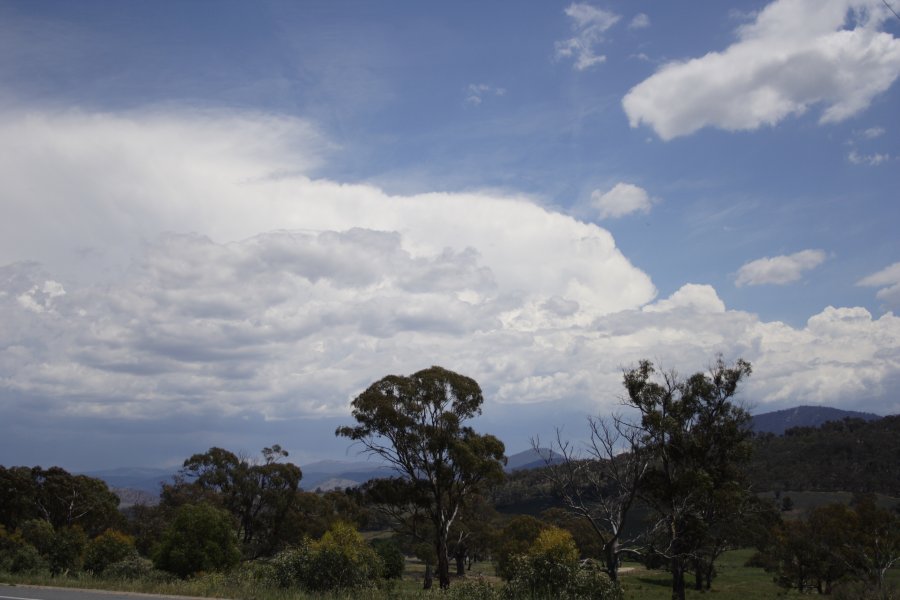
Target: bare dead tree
599 482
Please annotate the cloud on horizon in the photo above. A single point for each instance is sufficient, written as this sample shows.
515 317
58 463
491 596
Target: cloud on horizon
283 296
796 54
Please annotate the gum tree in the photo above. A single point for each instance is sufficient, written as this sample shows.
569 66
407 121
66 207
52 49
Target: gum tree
416 424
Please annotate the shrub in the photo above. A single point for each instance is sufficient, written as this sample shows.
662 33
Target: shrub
200 538
67 550
342 559
109 547
290 567
393 562
136 568
473 589
551 569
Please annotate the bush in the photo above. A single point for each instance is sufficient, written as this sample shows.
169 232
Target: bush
472 589
136 568
393 562
341 560
27 559
109 547
551 569
67 550
290 568
200 538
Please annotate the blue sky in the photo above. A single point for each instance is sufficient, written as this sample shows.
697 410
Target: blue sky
222 220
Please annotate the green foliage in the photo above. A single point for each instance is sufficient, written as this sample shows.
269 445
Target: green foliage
850 455
835 542
109 547
135 568
67 550
514 539
261 496
476 588
39 533
551 569
393 562
17 555
341 560
699 443
415 423
290 567
56 496
549 566
201 538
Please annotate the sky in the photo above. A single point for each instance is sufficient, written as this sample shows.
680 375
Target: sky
221 221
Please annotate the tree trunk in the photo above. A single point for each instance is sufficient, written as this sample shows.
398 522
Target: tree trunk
612 560
461 562
443 564
429 581
678 579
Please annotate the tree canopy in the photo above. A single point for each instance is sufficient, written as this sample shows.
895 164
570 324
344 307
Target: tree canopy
415 424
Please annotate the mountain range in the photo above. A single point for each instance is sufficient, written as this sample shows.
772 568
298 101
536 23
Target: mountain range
136 484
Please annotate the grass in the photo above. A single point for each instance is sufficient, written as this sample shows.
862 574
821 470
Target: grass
734 582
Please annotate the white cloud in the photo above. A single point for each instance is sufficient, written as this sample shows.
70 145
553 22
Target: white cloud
873 160
476 92
623 199
296 293
779 270
796 54
873 132
640 21
589 24
888 279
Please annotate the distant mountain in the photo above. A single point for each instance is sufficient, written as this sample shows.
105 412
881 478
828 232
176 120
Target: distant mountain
779 421
135 478
331 474
531 459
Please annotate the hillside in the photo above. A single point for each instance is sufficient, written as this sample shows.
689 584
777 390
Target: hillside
779 421
852 455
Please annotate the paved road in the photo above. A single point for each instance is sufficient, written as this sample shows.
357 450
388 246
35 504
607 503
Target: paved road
28 592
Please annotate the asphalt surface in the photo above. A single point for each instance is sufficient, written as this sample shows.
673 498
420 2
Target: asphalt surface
29 592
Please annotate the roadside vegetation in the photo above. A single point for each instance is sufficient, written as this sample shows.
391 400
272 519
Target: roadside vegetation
661 504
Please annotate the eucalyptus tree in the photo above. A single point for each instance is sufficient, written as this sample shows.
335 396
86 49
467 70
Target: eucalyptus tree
416 424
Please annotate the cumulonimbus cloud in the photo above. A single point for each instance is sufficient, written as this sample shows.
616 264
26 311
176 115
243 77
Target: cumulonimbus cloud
796 54
284 295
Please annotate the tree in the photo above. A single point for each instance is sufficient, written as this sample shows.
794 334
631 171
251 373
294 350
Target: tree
698 441
602 487
415 423
260 495
201 538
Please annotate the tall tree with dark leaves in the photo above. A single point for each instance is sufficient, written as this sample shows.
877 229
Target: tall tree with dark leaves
416 424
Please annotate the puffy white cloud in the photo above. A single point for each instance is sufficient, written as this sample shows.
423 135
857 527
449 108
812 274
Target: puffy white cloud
779 270
623 199
796 54
589 24
295 293
888 279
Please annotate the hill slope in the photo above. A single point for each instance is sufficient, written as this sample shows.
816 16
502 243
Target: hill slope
779 421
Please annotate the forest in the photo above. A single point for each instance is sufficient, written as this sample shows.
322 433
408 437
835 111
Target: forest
665 500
